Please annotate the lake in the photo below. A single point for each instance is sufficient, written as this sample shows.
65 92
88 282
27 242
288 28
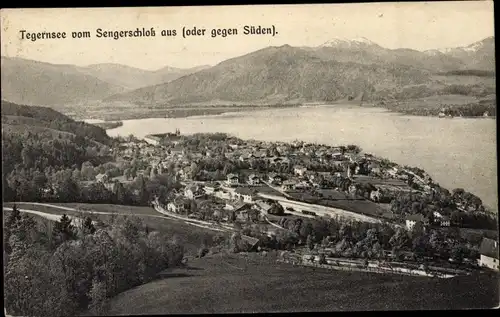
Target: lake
455 152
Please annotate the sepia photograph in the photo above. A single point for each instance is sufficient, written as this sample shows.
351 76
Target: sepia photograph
249 159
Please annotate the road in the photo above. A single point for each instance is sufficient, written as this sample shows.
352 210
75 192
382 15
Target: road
57 217
318 209
165 215
45 215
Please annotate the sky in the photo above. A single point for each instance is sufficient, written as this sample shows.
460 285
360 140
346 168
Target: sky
418 26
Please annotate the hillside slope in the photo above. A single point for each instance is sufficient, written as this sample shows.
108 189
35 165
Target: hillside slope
36 83
133 78
282 73
21 118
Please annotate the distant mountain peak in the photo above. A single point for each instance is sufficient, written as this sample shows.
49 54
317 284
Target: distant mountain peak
474 47
357 41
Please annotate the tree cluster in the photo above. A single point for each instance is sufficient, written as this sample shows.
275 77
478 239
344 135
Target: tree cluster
72 269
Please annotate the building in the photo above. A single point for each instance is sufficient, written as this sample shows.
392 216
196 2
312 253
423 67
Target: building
288 185
152 139
489 254
375 195
253 179
302 186
263 206
193 192
222 194
299 170
102 178
246 194
176 206
211 188
274 178
412 220
246 157
445 221
437 215
232 179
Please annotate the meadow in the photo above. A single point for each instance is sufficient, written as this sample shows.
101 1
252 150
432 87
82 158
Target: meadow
235 283
192 237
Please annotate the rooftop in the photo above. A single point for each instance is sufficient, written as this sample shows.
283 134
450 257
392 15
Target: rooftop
489 247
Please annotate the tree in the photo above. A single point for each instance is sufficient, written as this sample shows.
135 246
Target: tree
88 226
87 171
310 242
63 230
322 259
458 252
10 224
400 239
14 217
234 242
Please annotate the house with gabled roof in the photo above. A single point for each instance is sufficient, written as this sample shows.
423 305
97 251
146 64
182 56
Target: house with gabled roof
246 194
274 178
232 179
489 254
176 206
299 170
253 179
288 185
193 191
102 178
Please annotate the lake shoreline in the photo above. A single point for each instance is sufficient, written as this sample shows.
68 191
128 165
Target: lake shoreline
176 113
410 140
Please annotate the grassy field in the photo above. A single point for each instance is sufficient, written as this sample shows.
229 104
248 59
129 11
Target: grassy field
231 283
191 236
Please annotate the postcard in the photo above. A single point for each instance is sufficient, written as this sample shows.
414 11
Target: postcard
241 159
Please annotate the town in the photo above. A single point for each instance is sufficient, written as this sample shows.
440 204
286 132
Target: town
266 189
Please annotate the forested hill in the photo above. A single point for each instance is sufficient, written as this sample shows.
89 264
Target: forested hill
41 146
21 117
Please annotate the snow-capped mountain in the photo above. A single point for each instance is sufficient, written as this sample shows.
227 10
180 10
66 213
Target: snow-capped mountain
472 48
349 43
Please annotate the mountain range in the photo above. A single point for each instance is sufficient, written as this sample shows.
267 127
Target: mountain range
37 83
334 70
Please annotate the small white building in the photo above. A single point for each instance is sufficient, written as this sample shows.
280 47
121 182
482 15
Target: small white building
437 215
102 178
232 179
412 220
223 194
193 192
299 170
375 195
253 180
288 185
489 254
445 222
246 194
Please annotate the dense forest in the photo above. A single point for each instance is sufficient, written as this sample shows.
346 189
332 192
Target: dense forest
66 269
13 114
